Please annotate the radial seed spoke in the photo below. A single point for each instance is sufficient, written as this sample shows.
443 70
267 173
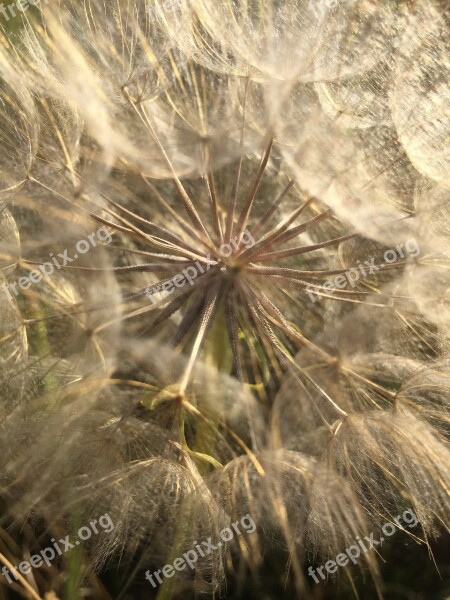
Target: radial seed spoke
208 310
277 255
234 193
266 242
267 335
282 234
212 195
186 228
243 217
169 235
233 333
192 314
261 223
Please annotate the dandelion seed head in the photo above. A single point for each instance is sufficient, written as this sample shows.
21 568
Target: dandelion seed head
241 340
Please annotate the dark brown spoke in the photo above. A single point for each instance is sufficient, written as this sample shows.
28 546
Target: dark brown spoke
270 211
191 211
212 195
142 268
183 195
295 231
233 333
171 308
129 228
149 239
265 242
233 201
300 249
304 341
148 254
210 304
154 267
243 217
339 295
234 193
297 273
158 228
283 234
275 316
186 228
167 236
266 334
189 319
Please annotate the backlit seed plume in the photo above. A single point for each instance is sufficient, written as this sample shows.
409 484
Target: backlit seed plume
224 283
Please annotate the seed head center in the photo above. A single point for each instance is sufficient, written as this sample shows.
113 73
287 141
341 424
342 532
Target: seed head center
232 265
